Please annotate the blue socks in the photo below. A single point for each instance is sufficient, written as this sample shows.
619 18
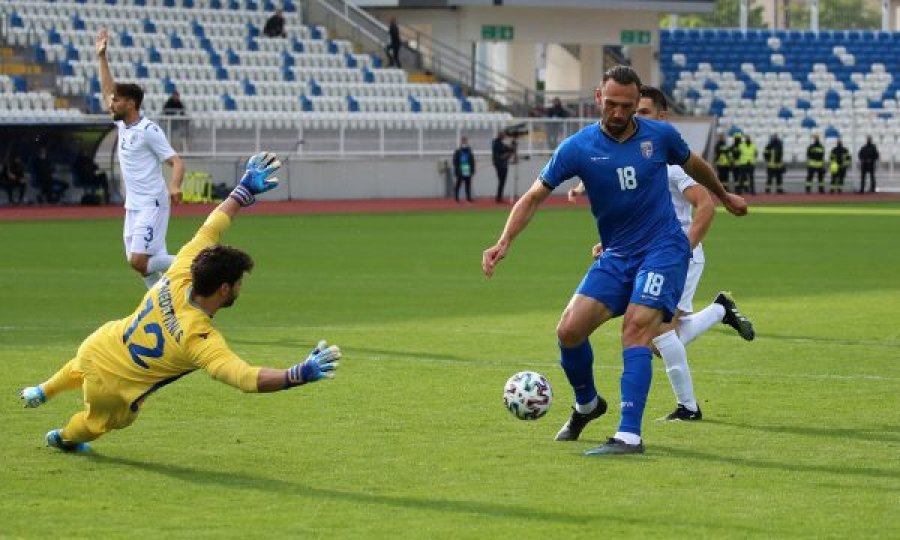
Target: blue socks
578 363
635 386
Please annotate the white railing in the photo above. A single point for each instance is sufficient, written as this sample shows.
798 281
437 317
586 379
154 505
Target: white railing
354 135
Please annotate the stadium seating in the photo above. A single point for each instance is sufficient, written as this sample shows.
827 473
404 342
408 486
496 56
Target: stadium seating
213 53
20 106
795 83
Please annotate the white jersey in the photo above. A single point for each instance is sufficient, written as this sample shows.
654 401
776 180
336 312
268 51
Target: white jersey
142 147
679 181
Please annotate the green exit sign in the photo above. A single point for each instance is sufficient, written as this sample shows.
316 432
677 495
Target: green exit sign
497 32
635 37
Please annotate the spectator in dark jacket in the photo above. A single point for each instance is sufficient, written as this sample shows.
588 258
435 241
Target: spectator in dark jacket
501 153
464 168
555 128
52 189
393 47
275 25
12 179
868 157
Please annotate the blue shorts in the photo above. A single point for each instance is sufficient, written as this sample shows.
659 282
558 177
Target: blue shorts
653 278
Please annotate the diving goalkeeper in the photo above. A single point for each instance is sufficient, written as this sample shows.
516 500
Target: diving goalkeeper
171 334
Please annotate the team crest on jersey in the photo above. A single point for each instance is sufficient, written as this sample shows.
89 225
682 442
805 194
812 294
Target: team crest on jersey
647 149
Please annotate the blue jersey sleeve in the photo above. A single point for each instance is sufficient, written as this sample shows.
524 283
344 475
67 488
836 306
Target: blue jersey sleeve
561 166
677 151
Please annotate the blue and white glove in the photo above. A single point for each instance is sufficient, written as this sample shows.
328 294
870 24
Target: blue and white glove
320 364
257 179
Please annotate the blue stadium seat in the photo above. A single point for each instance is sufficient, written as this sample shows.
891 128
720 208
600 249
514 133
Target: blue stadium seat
305 104
352 104
228 103
40 54
233 58
53 37
249 88
414 104
808 123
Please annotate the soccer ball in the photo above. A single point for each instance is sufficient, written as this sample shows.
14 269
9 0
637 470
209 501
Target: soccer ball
527 395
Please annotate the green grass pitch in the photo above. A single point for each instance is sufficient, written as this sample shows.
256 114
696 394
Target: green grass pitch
801 436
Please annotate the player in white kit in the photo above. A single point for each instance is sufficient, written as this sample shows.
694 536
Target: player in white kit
142 146
695 210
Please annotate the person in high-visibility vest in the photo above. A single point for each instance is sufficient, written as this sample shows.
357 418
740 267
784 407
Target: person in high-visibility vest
724 161
815 164
837 166
747 164
774 156
735 152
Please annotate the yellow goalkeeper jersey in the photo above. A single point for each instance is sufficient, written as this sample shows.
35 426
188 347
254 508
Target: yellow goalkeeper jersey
167 336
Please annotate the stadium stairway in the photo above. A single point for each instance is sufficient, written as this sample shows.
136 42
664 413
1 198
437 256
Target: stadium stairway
212 53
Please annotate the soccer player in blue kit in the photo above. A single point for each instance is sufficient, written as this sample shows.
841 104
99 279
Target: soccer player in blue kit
622 162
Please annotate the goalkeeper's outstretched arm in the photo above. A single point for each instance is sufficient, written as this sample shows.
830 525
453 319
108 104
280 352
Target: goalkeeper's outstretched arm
320 364
259 177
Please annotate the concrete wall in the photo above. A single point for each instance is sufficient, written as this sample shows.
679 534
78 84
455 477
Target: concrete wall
587 27
394 177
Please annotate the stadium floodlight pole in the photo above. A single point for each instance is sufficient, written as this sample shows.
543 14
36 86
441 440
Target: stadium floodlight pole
814 15
744 15
886 15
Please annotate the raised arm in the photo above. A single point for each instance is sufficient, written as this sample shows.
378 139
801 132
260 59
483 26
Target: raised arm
519 217
698 169
107 84
258 178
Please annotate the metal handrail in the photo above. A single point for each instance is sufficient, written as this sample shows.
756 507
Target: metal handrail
440 58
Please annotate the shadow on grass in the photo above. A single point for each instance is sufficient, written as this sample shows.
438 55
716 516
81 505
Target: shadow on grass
888 434
239 480
871 472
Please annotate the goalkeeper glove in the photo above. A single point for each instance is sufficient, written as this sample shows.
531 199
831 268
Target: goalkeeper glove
320 364
257 179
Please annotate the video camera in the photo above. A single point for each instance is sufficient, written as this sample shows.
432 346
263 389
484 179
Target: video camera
516 130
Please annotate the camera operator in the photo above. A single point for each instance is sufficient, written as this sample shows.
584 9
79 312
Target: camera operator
502 153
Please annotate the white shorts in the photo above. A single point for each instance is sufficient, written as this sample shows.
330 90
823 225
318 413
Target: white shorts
145 230
695 270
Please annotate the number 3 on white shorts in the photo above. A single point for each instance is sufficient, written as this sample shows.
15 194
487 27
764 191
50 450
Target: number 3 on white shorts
654 283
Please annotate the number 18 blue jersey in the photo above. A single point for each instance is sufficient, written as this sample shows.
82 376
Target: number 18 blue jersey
626 182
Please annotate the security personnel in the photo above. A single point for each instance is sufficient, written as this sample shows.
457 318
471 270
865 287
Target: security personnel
747 163
724 161
815 164
774 156
736 170
838 163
